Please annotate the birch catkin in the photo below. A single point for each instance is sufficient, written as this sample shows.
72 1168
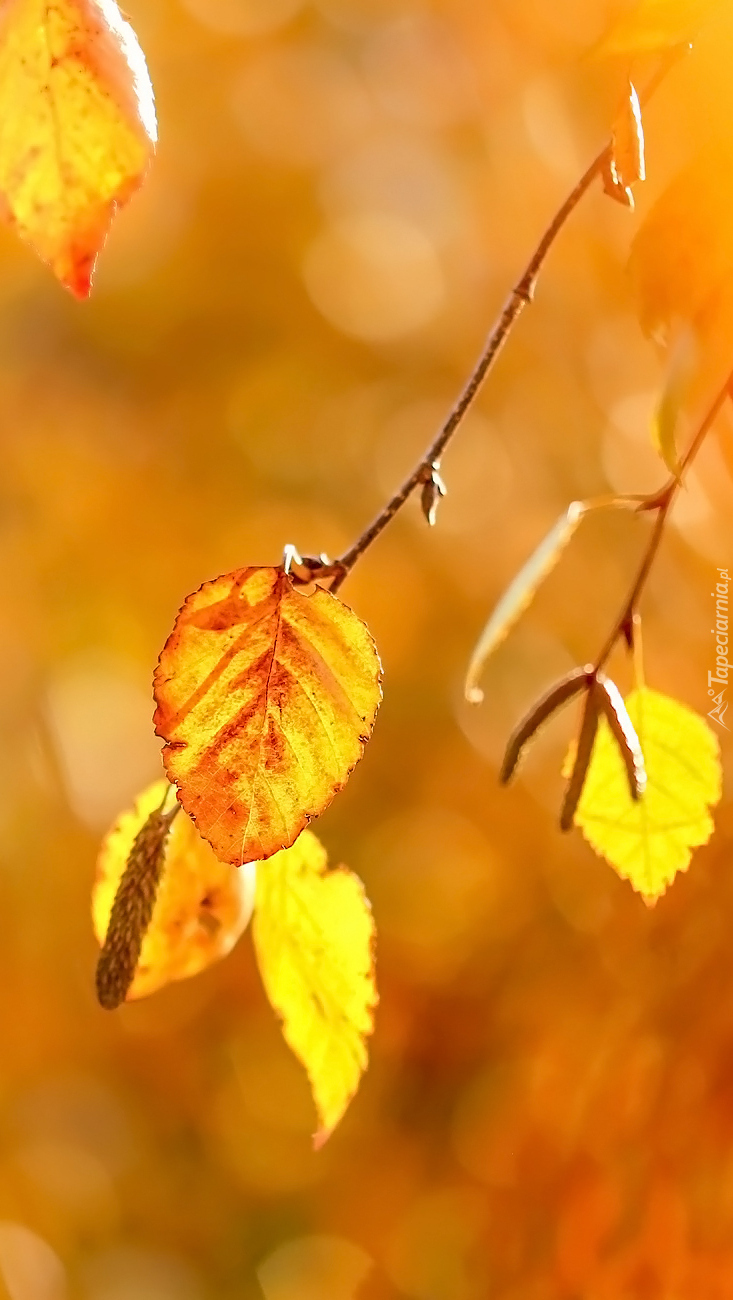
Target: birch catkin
132 911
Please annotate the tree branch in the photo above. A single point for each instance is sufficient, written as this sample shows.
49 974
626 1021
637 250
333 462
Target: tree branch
520 296
662 504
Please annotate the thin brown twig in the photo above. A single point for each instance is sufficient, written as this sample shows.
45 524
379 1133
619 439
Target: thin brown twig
520 296
661 503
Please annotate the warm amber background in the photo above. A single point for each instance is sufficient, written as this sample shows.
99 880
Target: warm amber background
344 192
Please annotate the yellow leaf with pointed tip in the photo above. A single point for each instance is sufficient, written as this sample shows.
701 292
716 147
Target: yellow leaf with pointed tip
77 127
313 934
266 698
655 25
202 906
648 841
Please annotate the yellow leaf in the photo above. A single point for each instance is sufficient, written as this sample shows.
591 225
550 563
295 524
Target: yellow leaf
266 698
313 934
650 840
77 127
653 25
202 905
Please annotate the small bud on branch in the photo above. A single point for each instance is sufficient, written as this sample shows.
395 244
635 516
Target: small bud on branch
433 489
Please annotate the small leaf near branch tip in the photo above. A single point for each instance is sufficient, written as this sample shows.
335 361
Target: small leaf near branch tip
556 697
433 489
625 163
627 148
583 753
131 911
520 593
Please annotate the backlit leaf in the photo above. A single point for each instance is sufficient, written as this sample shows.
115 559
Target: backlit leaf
648 841
682 267
266 697
313 934
520 594
77 127
653 25
202 905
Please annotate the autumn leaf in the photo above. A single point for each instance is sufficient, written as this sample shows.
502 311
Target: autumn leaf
682 268
313 935
266 698
520 593
682 254
524 587
77 127
648 841
201 909
653 25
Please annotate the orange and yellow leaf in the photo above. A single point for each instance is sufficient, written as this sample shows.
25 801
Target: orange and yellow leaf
266 698
77 127
313 934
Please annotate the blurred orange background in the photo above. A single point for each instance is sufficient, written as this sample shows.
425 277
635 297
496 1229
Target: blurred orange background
344 193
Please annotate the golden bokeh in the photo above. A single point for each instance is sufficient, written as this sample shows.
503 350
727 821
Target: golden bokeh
343 195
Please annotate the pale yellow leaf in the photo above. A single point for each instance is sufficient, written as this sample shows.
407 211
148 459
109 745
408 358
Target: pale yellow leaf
314 934
77 126
649 840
